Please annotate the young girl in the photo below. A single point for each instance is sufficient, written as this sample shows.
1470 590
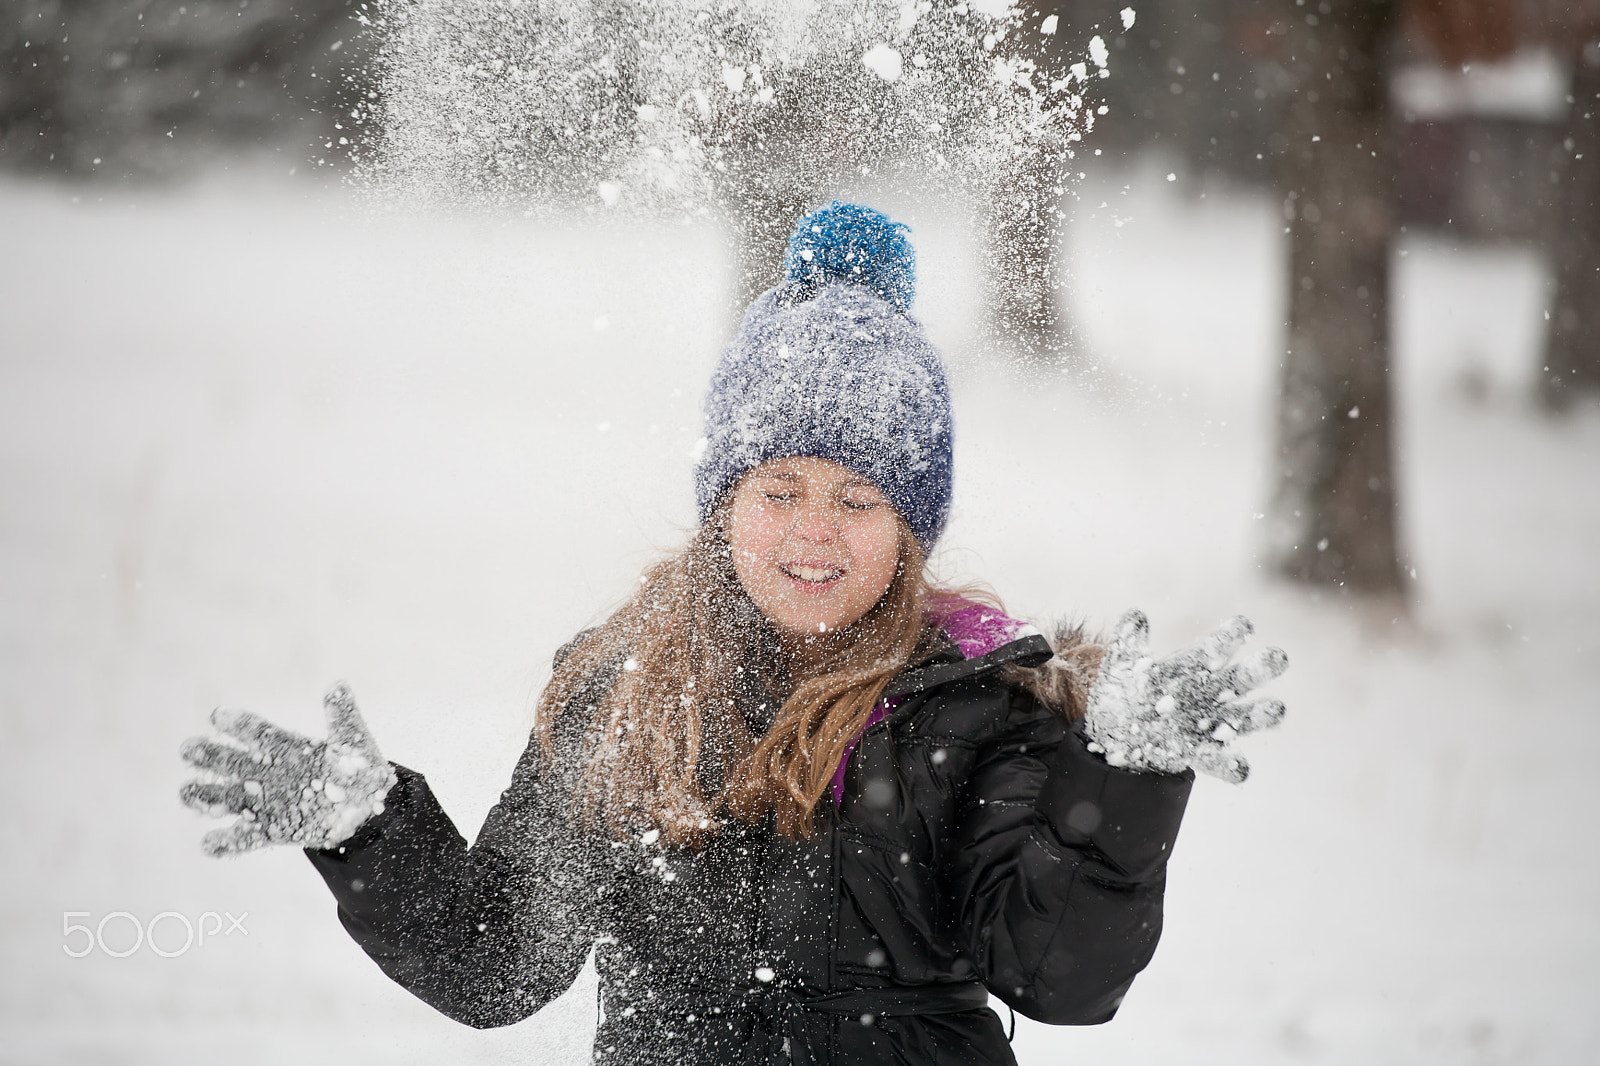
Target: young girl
801 806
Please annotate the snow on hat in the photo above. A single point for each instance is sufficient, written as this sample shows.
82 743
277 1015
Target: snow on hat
831 364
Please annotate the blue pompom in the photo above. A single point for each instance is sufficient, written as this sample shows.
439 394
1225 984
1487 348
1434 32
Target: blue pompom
853 243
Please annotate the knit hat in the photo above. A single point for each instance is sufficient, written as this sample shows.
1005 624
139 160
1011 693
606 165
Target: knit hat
831 364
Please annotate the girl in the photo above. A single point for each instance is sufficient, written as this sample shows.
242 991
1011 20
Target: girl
801 806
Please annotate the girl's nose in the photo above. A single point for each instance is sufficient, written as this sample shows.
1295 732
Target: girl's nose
815 523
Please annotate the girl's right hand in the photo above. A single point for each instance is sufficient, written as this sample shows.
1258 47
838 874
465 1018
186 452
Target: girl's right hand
287 788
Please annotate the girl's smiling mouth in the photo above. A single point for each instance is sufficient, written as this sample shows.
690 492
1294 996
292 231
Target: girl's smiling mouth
812 575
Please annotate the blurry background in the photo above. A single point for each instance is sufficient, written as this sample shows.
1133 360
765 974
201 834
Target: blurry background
256 435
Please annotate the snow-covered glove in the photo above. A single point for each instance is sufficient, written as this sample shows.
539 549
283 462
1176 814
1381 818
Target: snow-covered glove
287 788
1182 711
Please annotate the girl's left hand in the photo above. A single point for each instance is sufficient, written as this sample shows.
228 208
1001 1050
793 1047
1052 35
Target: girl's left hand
1182 711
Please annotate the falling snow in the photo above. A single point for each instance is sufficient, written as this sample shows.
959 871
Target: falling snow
683 104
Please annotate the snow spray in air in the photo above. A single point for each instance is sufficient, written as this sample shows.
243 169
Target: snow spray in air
691 105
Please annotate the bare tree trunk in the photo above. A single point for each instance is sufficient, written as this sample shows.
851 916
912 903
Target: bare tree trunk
762 221
1021 220
32 77
1023 235
786 163
1572 358
1333 508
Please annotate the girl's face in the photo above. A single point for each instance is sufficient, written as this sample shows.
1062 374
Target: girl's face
815 545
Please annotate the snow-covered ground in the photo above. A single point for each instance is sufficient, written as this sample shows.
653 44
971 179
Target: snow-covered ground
252 441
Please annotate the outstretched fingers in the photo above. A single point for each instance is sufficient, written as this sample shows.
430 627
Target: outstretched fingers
244 834
252 730
1131 637
217 799
1247 716
1254 671
1218 647
345 724
221 759
1219 761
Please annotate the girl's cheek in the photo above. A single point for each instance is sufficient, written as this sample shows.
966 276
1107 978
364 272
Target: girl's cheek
762 538
877 544
754 531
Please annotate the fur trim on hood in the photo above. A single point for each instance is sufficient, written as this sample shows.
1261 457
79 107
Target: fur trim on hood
1064 682
978 626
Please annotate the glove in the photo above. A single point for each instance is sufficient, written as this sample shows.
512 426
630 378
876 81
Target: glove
287 788
1182 711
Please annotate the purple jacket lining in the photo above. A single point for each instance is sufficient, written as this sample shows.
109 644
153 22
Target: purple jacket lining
977 630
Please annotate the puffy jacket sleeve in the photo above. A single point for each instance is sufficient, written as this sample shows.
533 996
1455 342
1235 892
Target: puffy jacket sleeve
486 934
1060 867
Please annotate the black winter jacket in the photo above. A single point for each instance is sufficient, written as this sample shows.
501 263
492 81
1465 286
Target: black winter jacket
978 847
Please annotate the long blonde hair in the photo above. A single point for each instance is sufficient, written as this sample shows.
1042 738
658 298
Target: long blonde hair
665 744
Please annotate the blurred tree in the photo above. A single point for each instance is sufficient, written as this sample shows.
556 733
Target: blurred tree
1572 355
758 111
1021 217
1021 228
845 122
825 129
33 39
1333 508
1175 85
149 87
